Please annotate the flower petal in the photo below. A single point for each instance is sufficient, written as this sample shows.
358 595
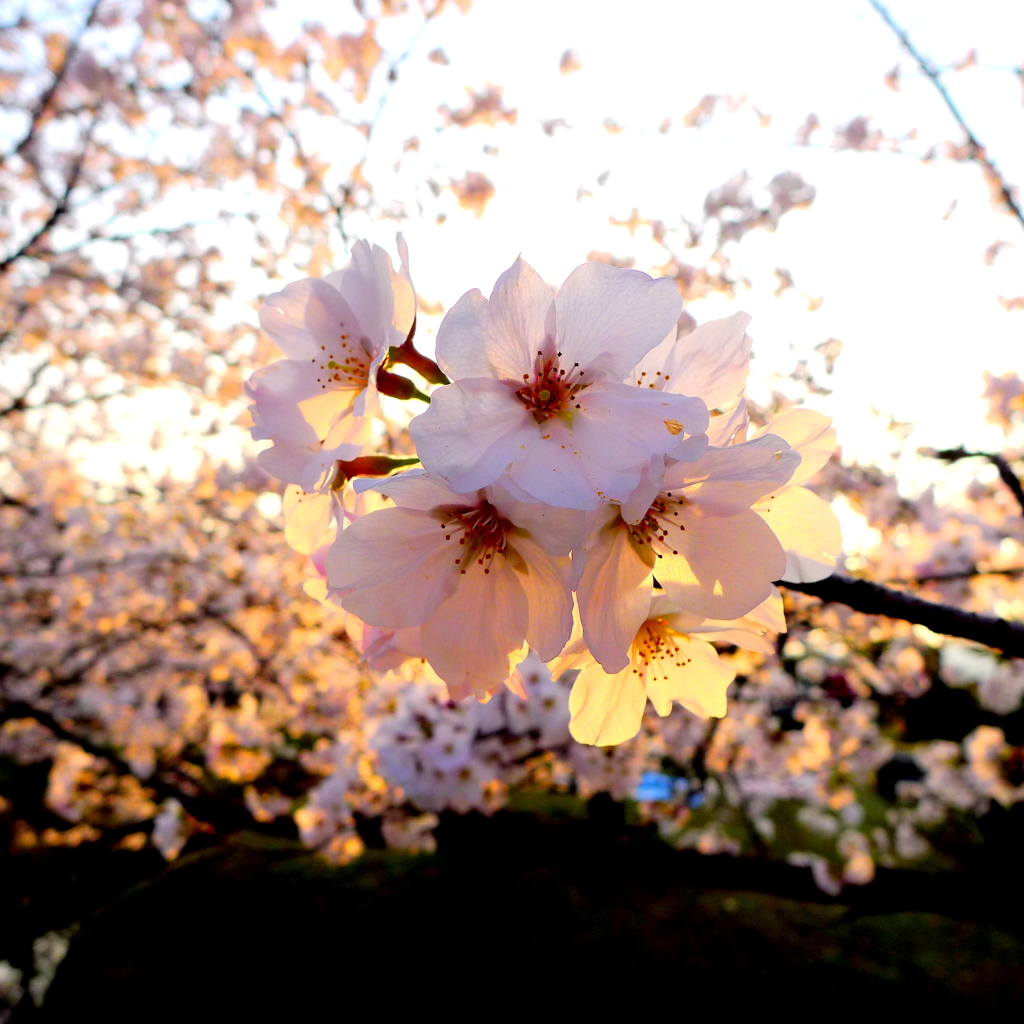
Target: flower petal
614 594
393 567
404 314
711 362
556 473
471 640
729 427
415 488
498 338
289 403
606 709
723 567
697 679
810 433
639 502
307 517
557 530
808 530
308 466
726 481
545 581
623 426
472 430
306 314
608 318
366 286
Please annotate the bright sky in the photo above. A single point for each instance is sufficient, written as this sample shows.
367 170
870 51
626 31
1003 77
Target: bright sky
904 284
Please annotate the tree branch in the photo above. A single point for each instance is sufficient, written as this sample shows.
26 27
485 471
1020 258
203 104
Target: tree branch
1006 473
161 787
62 206
873 599
58 78
978 154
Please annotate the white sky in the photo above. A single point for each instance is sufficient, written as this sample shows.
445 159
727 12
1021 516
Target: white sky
905 290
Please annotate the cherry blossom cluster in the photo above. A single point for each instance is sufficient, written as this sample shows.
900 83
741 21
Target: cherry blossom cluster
589 484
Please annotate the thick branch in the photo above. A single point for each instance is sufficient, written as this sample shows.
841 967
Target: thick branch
873 599
978 153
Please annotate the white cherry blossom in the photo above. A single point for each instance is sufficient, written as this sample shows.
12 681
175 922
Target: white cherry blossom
666 663
335 332
712 362
482 574
537 387
689 525
750 631
805 524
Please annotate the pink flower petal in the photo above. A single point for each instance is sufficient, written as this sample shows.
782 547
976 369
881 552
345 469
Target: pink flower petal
608 318
614 593
472 430
545 581
726 481
623 426
499 338
711 362
305 315
724 566
366 285
811 434
696 678
415 488
557 530
808 530
471 639
393 567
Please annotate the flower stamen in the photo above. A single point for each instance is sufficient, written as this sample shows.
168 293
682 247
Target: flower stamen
552 388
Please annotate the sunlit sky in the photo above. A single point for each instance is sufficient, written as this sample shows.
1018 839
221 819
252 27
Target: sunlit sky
893 246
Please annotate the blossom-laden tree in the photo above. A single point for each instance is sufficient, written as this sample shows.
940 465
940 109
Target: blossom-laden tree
572 511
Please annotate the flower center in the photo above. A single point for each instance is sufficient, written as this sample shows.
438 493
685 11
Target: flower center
652 530
550 390
655 650
343 366
481 532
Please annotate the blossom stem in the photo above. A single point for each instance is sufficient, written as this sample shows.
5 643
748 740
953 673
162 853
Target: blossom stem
368 465
410 356
397 386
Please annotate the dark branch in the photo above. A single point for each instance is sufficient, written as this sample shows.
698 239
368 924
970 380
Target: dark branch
47 97
873 599
160 786
20 402
978 153
60 208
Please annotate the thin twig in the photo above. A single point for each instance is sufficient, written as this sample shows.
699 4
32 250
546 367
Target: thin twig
1006 473
978 153
62 206
58 78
